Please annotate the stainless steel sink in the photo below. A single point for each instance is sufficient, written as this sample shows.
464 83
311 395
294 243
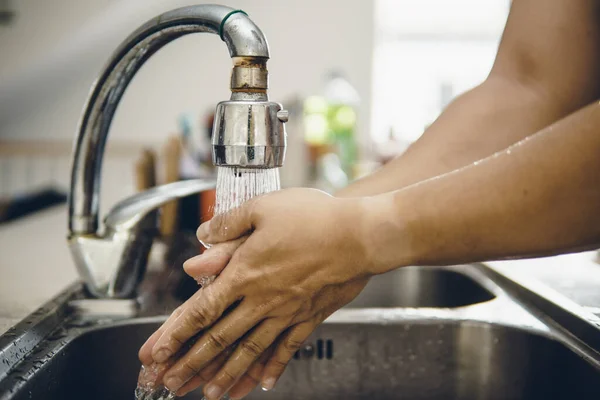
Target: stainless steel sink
398 360
423 287
461 333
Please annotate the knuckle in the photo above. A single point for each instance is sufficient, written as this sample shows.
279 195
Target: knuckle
251 348
177 338
198 316
206 374
292 345
279 364
209 371
217 340
190 368
228 376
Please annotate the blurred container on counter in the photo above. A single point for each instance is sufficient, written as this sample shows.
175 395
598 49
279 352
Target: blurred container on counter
330 133
343 101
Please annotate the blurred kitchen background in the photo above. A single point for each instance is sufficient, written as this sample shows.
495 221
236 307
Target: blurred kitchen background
361 79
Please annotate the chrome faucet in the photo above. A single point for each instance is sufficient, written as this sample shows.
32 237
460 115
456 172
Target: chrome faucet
248 132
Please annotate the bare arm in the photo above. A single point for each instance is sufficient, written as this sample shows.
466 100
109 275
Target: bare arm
538 197
547 67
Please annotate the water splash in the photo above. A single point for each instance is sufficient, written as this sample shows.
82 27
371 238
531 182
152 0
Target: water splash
147 387
159 393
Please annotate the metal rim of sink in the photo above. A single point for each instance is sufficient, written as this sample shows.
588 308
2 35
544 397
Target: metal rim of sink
513 306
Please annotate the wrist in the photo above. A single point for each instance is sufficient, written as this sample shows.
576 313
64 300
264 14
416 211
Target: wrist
384 226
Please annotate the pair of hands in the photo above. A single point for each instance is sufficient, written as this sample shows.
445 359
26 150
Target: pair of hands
287 260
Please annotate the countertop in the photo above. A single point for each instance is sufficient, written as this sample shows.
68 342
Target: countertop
574 276
35 265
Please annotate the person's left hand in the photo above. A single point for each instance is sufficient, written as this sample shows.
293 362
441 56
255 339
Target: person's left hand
299 256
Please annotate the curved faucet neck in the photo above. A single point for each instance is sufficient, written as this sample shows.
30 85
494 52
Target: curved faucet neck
247 46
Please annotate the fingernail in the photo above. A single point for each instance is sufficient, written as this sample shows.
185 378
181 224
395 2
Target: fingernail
161 356
213 391
173 382
268 384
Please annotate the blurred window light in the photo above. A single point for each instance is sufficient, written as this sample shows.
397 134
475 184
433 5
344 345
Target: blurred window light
426 53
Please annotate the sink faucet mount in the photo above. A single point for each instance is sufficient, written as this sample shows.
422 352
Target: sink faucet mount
248 132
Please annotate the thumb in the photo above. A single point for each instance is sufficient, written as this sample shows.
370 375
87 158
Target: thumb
213 260
228 226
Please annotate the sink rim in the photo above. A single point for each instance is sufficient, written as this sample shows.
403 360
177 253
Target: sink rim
74 333
512 307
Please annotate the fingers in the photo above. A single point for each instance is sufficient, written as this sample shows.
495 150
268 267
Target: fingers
191 385
213 260
210 344
145 353
197 313
231 225
206 374
252 377
247 383
290 343
240 389
246 353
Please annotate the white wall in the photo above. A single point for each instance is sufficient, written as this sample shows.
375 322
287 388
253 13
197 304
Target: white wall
53 51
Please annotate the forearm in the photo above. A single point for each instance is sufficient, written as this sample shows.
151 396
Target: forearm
545 69
487 119
538 197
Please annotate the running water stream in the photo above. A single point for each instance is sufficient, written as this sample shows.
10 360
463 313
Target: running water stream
235 185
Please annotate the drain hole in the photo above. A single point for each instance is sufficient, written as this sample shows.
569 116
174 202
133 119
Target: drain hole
329 349
320 349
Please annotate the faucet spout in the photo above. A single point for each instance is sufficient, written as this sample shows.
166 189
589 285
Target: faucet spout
247 46
249 132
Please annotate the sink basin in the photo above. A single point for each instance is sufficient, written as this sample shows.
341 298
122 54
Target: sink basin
422 287
411 334
397 360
